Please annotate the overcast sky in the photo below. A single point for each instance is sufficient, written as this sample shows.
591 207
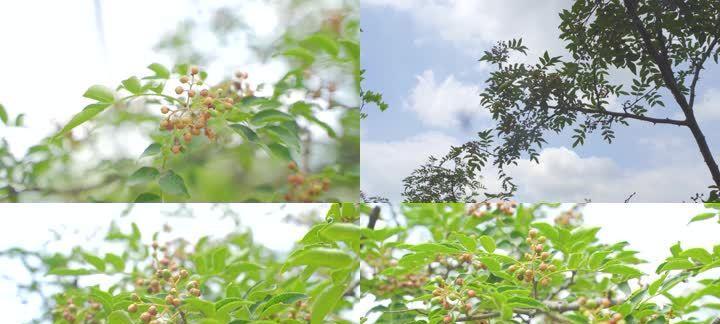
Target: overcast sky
422 56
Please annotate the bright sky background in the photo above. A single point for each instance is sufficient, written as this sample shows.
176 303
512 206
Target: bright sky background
422 56
52 58
650 229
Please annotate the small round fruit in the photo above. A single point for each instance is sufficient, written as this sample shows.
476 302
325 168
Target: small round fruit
471 293
208 101
605 303
533 232
132 308
187 137
164 110
146 317
191 93
152 310
176 149
184 79
194 70
179 90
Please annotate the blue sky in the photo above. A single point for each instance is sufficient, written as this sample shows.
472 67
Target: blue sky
422 55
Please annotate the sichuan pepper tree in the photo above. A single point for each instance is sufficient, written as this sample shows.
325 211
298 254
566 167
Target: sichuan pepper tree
161 278
293 139
502 263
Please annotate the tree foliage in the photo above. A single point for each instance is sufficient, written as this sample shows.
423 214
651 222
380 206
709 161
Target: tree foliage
295 139
663 45
161 278
505 263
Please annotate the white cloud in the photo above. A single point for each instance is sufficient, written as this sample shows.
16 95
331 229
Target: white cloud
383 165
446 103
562 175
472 25
708 106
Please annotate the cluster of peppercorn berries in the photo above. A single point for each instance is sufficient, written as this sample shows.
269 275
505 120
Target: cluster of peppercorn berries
300 310
167 277
190 118
481 210
536 261
71 311
456 296
570 218
303 188
593 308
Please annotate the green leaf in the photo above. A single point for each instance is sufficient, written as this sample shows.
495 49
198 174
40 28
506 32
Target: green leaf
491 263
652 289
70 272
86 114
3 114
341 232
100 93
280 151
321 257
20 120
161 72
702 216
119 317
325 302
269 116
321 42
147 197
143 175
284 298
152 149
172 184
488 243
698 254
432 247
96 262
245 132
288 137
133 85
243 266
117 262
574 260
300 53
203 306
622 270
525 302
352 47
678 264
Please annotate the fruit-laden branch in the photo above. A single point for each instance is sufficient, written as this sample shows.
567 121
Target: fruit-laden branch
553 306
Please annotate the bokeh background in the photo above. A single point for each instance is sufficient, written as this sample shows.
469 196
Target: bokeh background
56 50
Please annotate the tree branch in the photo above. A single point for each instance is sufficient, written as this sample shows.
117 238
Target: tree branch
374 216
662 62
698 66
625 115
557 307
